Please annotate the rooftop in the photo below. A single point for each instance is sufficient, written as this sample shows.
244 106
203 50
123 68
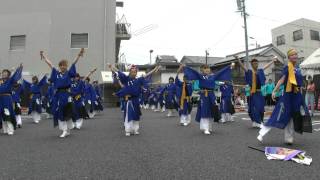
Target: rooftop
199 60
260 51
166 60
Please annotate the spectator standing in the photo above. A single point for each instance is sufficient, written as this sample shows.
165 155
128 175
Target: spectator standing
269 89
309 98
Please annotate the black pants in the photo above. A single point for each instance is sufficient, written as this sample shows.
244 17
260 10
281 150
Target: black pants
269 100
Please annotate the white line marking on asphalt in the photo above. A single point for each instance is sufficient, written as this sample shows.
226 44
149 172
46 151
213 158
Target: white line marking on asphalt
246 119
241 113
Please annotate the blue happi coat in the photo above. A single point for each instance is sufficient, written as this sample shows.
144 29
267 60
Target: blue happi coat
153 98
145 94
187 104
16 94
159 92
62 102
35 96
169 94
90 97
256 101
288 104
16 98
77 92
226 98
99 105
6 109
49 98
131 93
207 86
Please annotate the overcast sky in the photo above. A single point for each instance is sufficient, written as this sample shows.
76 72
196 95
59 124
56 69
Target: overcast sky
189 27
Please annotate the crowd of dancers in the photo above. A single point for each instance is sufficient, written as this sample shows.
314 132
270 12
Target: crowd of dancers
288 113
67 97
70 98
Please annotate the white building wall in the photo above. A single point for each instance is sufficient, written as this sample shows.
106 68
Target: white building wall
48 25
166 75
305 46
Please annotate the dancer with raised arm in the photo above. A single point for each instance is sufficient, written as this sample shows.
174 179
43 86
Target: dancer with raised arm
226 105
205 112
161 104
169 94
16 98
7 115
48 99
63 102
90 98
77 91
184 94
255 78
131 92
291 105
35 105
98 104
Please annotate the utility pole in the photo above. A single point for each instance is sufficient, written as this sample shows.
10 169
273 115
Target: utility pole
151 51
207 54
242 8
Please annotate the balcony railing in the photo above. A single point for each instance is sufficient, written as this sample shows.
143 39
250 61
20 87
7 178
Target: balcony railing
123 28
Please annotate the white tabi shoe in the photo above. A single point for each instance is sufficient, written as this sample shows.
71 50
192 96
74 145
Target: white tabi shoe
260 138
256 125
185 124
37 122
136 133
10 133
128 134
207 132
288 142
64 134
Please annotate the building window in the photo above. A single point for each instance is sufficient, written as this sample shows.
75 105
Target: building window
17 42
297 35
79 40
281 40
314 35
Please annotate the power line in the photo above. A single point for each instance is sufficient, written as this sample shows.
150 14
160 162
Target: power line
227 33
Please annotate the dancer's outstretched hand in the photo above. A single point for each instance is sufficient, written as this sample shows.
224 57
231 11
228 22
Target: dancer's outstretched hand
81 52
274 96
41 55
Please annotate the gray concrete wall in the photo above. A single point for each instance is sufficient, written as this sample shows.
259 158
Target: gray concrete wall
306 46
48 25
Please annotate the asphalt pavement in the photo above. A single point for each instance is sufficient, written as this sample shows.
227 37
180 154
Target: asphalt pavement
163 150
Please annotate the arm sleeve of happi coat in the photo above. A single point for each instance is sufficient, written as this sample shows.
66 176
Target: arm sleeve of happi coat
285 71
248 76
73 70
178 82
16 76
191 74
224 74
54 74
123 78
122 92
43 81
26 84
